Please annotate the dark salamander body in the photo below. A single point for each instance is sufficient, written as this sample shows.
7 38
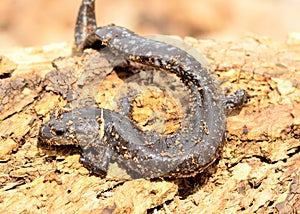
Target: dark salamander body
112 144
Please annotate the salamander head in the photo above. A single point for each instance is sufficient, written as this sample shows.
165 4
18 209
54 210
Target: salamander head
69 127
59 131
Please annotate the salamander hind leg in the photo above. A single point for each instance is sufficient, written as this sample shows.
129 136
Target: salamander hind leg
235 100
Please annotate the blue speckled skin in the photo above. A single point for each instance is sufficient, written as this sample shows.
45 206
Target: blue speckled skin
107 137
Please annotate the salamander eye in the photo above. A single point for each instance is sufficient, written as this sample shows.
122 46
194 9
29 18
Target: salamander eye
59 132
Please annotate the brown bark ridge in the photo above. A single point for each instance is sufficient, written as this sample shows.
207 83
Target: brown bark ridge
258 171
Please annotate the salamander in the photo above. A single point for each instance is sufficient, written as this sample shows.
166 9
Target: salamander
111 143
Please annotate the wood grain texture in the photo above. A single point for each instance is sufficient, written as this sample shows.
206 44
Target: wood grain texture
258 171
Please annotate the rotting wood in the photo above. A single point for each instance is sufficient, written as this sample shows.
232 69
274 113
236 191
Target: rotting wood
258 170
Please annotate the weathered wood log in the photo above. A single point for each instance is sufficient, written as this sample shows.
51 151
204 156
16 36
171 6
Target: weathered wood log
258 171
